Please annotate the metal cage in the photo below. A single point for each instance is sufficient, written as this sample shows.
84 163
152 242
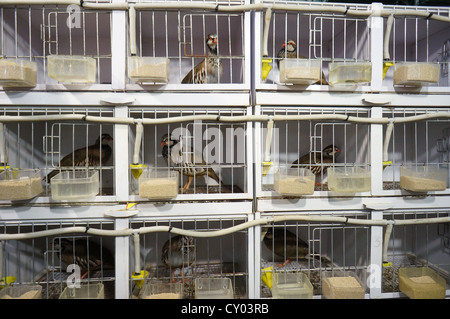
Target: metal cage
224 256
204 145
57 262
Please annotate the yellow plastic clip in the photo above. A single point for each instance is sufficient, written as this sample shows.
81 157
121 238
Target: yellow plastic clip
9 281
136 170
266 167
2 168
139 278
386 66
130 205
266 276
266 67
386 164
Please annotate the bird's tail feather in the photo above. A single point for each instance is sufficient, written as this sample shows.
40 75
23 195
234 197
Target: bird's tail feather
50 175
213 175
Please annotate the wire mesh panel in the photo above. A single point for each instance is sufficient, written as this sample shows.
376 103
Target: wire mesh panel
417 151
60 146
315 145
210 157
185 41
205 258
312 249
78 39
410 246
320 38
418 47
51 264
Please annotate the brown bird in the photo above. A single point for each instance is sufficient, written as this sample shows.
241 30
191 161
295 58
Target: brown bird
93 155
315 160
285 244
289 50
209 70
86 253
185 161
178 252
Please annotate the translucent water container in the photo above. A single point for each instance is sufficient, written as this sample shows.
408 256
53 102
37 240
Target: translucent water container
148 69
423 178
17 73
75 185
344 73
158 184
20 184
89 291
349 179
213 288
300 71
72 68
416 73
342 285
421 283
21 292
295 285
154 289
294 181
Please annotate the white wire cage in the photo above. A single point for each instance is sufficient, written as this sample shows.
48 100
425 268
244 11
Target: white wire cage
313 248
59 146
424 245
322 38
421 145
405 40
80 40
300 144
221 148
57 262
225 257
178 38
418 40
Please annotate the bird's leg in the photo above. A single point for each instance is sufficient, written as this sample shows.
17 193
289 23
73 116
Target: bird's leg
188 183
173 277
285 263
182 279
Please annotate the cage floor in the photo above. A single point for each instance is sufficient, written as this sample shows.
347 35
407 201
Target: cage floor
211 270
212 189
54 282
311 267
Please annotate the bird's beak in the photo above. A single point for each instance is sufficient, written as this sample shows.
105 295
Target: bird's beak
283 45
162 143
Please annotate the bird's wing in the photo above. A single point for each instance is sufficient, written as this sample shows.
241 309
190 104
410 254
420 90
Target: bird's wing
73 157
183 158
197 75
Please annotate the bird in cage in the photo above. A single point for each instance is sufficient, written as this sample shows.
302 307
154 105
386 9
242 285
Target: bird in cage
94 155
285 244
87 254
186 160
289 50
178 252
210 70
316 161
